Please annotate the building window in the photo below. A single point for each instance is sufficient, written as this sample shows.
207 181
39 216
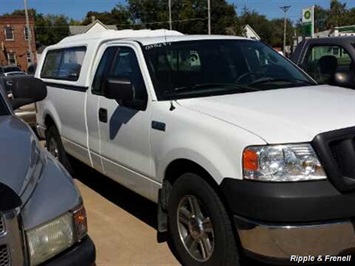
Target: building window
11 59
25 32
9 33
28 55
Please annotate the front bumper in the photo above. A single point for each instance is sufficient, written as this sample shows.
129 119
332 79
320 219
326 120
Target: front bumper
284 242
83 254
275 221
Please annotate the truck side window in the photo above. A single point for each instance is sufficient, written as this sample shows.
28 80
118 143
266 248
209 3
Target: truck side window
120 63
63 64
102 70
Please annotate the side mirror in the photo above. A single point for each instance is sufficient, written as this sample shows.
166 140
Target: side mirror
8 198
26 90
119 89
345 79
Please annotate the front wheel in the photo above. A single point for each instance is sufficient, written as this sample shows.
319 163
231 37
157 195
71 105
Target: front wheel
200 228
55 147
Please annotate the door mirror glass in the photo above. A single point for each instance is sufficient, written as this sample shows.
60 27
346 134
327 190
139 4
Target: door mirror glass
119 89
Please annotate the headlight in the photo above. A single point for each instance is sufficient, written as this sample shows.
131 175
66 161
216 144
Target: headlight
282 163
48 240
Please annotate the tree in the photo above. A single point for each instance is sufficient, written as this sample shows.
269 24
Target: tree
276 39
188 16
350 17
320 18
337 14
120 15
50 29
258 22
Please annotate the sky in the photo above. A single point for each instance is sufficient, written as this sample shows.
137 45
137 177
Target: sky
77 9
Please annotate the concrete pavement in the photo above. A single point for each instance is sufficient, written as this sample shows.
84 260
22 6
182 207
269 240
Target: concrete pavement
120 237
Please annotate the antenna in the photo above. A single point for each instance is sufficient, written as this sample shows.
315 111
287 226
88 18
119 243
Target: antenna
172 107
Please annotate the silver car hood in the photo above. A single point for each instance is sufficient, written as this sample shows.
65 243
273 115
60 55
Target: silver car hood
19 156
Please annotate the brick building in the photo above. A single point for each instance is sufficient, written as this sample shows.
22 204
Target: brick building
14 41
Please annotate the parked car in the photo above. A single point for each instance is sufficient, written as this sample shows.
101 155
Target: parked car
329 60
26 112
42 216
241 150
10 70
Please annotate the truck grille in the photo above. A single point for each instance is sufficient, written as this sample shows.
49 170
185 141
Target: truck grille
343 153
336 150
11 239
4 256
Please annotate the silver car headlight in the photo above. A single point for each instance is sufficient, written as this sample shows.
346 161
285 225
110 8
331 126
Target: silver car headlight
282 163
50 239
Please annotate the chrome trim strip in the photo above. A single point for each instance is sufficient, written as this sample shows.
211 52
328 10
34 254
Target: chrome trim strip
283 241
41 131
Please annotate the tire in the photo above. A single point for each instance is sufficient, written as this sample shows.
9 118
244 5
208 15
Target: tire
55 147
200 229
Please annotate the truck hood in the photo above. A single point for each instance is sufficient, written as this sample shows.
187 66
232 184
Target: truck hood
284 115
19 153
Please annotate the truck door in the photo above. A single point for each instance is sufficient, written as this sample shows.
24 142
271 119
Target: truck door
123 132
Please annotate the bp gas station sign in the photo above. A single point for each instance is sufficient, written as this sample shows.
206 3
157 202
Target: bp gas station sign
308 21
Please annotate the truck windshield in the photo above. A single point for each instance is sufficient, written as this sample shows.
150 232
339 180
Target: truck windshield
215 67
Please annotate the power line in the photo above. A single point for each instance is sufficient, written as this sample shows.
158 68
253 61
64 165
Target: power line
132 24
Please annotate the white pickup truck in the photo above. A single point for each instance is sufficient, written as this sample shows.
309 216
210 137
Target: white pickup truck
243 152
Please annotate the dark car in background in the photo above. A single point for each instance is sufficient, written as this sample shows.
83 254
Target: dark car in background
10 70
42 216
329 60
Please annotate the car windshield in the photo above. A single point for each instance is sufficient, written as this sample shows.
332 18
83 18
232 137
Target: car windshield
215 67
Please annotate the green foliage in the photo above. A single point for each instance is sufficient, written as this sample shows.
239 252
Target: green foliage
188 16
259 23
51 29
336 15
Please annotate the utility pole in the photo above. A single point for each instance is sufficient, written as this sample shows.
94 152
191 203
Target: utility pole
170 22
29 36
284 9
209 16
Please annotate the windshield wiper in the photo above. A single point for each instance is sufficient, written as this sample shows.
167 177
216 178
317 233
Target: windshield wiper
270 80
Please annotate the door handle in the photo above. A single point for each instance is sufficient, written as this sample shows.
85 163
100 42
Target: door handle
103 115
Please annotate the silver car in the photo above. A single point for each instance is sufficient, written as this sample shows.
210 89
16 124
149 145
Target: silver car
42 216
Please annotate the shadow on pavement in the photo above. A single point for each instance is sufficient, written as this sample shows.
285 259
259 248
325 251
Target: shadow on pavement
140 207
